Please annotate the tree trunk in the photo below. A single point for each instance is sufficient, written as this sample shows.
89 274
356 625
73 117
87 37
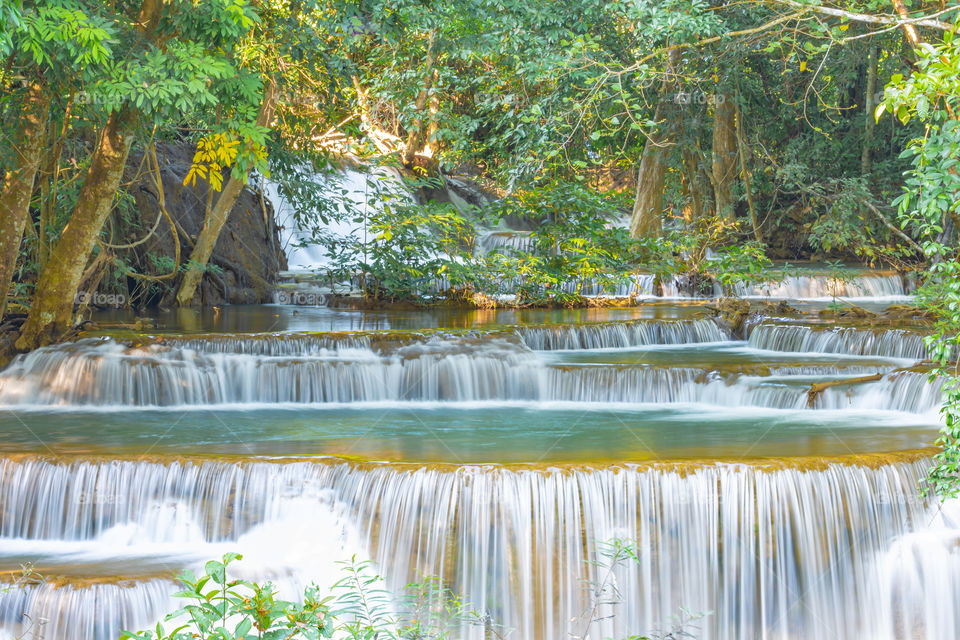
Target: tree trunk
18 182
724 163
819 387
431 146
871 105
909 30
745 174
51 314
49 179
646 220
216 216
417 133
698 191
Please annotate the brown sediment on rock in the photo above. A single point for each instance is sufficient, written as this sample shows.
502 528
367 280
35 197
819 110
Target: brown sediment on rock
378 340
392 337
476 301
732 313
876 322
894 316
52 578
908 312
871 460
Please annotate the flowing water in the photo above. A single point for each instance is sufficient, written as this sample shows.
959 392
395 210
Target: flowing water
352 195
502 451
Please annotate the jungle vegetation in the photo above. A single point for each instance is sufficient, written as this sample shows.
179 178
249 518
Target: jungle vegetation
759 130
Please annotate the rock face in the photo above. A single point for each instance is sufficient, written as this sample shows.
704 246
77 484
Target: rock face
463 191
248 254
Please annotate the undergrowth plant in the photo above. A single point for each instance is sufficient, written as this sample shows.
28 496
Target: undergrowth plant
360 607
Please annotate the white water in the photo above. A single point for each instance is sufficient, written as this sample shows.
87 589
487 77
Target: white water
778 551
96 612
354 194
611 335
351 194
809 545
309 370
919 578
891 343
823 287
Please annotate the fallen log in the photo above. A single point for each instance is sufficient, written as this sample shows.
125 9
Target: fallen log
817 387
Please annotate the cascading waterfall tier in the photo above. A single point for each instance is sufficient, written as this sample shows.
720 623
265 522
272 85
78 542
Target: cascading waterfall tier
811 544
609 335
890 343
351 194
811 548
827 286
91 612
474 367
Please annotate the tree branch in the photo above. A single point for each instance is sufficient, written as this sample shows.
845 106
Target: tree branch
869 205
903 21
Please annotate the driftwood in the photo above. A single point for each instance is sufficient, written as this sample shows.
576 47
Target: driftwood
817 387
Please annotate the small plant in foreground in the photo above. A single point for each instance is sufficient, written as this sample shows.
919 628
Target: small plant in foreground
359 607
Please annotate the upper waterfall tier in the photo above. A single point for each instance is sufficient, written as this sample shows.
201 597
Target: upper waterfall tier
821 286
890 343
494 366
819 548
610 335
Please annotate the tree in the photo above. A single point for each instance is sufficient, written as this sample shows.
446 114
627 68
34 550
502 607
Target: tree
216 216
18 181
40 45
174 54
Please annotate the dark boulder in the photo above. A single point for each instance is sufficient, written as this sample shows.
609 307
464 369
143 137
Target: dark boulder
248 255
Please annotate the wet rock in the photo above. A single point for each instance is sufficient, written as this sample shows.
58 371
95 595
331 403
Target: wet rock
907 312
732 314
783 309
848 312
463 191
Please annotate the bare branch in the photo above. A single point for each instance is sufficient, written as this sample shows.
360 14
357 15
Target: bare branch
922 21
910 241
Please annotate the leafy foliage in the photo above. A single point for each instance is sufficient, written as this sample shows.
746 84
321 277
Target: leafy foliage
929 205
359 607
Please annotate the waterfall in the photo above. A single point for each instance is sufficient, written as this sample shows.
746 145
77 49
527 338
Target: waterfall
519 543
111 374
920 563
799 287
824 286
266 344
92 612
612 335
498 240
888 343
347 194
183 372
537 431
907 391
